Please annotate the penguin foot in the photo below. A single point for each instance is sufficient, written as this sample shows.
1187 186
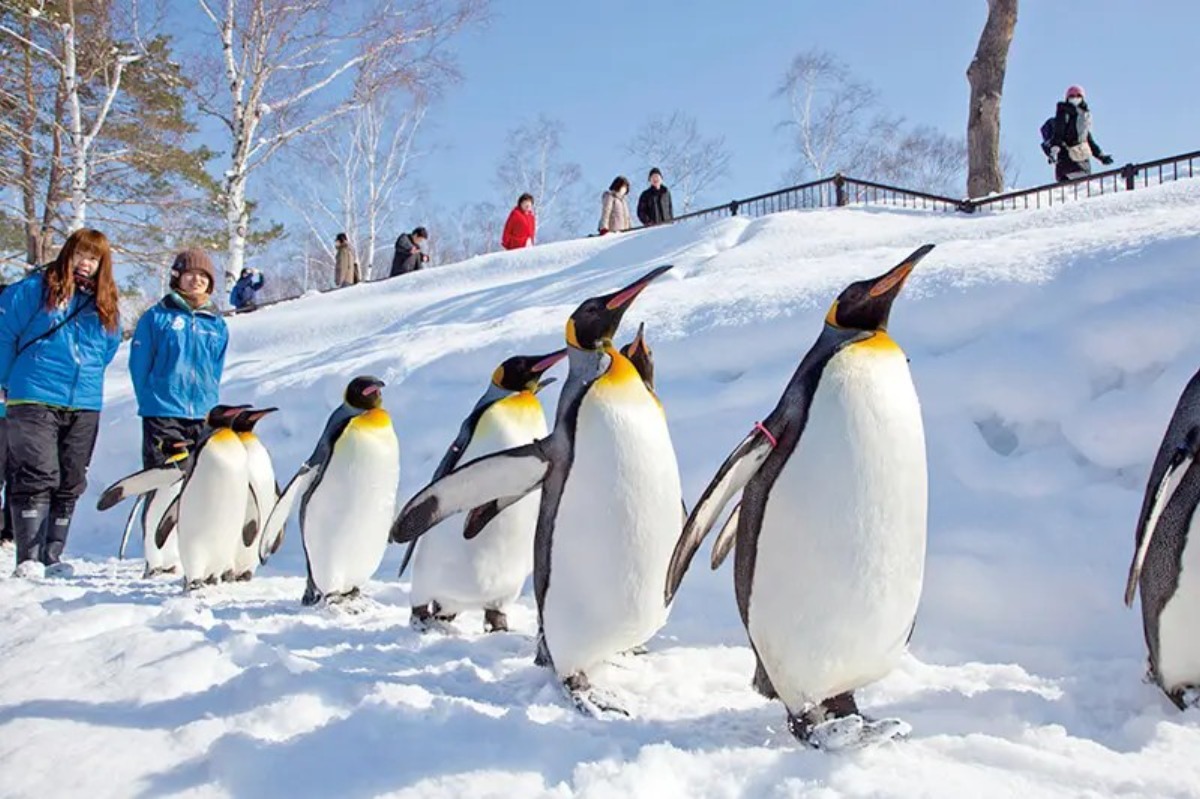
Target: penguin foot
212 580
244 577
311 596
192 585
591 702
542 656
634 651
495 621
159 572
227 576
1187 697
847 732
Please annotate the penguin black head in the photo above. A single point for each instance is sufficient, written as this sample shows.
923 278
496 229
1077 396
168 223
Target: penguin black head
524 372
639 354
244 422
223 415
364 392
866 305
595 322
173 449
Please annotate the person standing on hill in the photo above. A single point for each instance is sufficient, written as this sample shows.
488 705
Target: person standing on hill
521 227
614 207
654 206
345 268
1071 146
59 330
410 252
177 357
251 281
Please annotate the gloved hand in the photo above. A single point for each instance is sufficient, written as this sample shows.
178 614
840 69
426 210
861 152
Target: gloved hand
1105 159
1054 154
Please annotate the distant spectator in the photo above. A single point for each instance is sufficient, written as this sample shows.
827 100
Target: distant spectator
410 252
248 285
345 269
654 206
521 226
614 208
1071 146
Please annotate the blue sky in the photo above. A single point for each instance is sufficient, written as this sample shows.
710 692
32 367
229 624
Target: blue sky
604 68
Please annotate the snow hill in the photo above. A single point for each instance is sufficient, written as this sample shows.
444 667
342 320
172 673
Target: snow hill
1048 350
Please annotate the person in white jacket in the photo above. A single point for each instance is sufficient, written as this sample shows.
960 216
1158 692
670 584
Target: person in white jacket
614 207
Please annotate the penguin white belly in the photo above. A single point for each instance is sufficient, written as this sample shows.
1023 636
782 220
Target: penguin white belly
212 508
619 517
1178 641
156 505
262 480
489 570
346 520
841 551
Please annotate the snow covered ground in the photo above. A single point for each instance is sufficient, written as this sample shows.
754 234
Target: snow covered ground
1048 349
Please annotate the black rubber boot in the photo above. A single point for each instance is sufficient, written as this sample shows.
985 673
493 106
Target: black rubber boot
30 518
56 534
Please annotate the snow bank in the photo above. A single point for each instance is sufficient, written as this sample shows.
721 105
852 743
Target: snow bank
1048 350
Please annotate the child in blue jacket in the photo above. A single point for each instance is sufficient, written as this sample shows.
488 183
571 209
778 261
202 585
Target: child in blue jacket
177 357
59 330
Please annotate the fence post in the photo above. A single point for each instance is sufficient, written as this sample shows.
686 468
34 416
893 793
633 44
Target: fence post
733 207
1129 172
839 185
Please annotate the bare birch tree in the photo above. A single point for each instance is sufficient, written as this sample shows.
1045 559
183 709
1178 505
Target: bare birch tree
532 162
691 163
289 66
986 76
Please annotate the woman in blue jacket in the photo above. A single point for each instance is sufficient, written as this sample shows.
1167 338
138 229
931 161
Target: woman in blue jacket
177 356
59 330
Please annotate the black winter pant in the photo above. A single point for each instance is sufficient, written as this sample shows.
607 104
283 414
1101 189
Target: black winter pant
159 431
6 534
49 450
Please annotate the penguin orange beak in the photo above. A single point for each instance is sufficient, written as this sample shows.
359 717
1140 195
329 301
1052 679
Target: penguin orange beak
255 415
890 283
639 341
621 299
548 361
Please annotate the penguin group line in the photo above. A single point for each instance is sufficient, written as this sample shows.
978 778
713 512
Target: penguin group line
828 529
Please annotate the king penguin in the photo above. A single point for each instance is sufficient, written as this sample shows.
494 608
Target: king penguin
831 529
457 568
262 483
609 510
1166 560
347 492
639 354
214 508
156 489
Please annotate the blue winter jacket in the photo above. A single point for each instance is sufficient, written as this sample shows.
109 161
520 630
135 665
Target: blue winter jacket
65 369
245 289
176 359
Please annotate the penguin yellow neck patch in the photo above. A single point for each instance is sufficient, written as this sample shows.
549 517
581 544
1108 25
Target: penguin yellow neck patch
879 341
572 339
246 436
225 435
620 369
374 418
521 401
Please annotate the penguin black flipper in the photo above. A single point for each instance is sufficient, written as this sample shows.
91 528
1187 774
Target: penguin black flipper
168 522
735 472
725 541
1181 460
509 473
129 523
272 531
140 483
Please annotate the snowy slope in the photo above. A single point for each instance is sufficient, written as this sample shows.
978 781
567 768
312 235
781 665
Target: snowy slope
1048 350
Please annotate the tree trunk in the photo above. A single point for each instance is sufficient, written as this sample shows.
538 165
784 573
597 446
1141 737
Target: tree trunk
28 173
237 220
986 76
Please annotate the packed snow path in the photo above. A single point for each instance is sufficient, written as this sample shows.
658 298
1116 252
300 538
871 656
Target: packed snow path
1048 350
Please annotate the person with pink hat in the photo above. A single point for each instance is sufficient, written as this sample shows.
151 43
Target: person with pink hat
1070 145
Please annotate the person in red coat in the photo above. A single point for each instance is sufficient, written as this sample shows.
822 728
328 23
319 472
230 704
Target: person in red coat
521 226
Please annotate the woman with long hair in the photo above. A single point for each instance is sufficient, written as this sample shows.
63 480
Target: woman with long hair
614 207
59 330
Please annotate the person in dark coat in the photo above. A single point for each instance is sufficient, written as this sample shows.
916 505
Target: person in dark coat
177 357
654 206
410 252
521 226
1071 144
59 330
248 285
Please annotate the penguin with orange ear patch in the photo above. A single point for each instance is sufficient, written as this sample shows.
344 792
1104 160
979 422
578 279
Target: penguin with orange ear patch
609 512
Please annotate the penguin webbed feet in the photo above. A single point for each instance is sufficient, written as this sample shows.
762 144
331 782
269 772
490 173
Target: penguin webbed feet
836 724
1185 698
590 701
429 617
495 621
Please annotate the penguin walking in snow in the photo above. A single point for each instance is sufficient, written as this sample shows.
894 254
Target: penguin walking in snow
1166 560
347 493
830 533
463 567
262 482
151 505
609 510
214 508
